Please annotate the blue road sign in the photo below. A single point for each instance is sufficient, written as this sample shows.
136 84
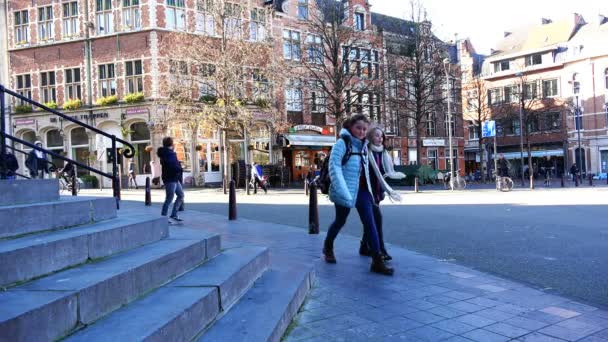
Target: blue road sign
488 129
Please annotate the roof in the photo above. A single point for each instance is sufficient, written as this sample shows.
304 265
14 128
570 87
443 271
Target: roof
392 24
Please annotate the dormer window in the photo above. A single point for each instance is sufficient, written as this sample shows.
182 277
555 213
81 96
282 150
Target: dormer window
501 66
303 9
359 21
535 59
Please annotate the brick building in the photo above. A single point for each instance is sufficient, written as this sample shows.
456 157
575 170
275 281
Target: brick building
48 50
549 65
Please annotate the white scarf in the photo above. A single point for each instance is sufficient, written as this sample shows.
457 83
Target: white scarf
387 163
39 154
392 194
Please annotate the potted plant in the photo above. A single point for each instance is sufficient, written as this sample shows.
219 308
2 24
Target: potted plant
72 104
134 97
107 100
51 104
22 109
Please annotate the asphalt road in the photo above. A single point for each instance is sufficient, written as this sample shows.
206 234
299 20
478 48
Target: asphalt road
556 240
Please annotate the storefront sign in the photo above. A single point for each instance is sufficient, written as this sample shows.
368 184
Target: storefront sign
307 128
433 142
85 117
20 122
134 111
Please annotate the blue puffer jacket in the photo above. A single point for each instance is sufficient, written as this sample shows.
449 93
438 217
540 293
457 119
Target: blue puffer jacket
345 179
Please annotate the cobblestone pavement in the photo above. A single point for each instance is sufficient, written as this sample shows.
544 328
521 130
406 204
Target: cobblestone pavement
427 300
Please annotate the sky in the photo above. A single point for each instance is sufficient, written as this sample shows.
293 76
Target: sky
485 21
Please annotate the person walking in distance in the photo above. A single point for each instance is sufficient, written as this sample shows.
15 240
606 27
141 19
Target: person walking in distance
132 175
503 166
351 188
574 172
381 166
171 171
36 162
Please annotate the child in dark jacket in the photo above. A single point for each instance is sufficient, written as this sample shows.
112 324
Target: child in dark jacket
171 171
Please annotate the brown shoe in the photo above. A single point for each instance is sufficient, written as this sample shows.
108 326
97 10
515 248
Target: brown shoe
330 258
378 266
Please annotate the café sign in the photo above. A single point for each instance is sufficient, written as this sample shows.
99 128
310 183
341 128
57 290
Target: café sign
21 122
433 142
314 128
84 117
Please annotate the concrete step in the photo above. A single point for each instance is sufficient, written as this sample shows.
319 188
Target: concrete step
39 254
28 191
266 310
69 211
183 308
51 307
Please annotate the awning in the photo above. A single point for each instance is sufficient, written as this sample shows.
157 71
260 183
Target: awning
537 154
310 140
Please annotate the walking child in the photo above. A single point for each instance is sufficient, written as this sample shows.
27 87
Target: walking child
171 171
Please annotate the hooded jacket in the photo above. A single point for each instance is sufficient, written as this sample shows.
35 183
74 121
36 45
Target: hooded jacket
345 178
171 170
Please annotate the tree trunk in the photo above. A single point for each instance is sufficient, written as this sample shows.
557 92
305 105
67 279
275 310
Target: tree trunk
482 162
530 166
194 157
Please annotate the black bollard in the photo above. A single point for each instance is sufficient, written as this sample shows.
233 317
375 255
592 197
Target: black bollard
590 180
148 193
306 185
563 181
232 201
313 210
576 181
74 183
416 184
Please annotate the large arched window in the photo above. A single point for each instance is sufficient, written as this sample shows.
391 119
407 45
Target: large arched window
54 142
140 137
79 142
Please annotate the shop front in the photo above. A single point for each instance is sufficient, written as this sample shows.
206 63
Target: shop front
307 146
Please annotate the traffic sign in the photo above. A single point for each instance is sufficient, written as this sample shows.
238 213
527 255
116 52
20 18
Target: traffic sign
488 129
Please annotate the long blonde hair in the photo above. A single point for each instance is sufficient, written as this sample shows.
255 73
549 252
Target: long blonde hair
370 134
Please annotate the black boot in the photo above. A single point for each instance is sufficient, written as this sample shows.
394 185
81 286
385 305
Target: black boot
378 266
328 252
364 249
385 254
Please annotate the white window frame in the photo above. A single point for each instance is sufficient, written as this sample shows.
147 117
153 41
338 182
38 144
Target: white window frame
22 27
104 17
432 154
23 87
292 49
175 14
70 20
556 88
359 21
293 97
314 49
233 22
107 79
303 9
134 76
46 27
73 88
131 15
257 25
48 86
205 21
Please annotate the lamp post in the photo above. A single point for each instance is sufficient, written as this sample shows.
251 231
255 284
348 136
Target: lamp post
521 125
446 65
579 122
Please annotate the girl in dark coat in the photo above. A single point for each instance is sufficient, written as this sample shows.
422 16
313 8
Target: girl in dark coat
36 162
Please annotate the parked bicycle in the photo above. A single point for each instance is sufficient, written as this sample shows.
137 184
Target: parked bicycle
504 184
458 183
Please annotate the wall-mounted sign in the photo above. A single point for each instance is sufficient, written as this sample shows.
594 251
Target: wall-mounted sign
21 122
299 128
433 142
137 110
84 117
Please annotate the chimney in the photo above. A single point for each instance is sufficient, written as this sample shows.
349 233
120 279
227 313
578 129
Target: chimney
546 21
602 19
507 34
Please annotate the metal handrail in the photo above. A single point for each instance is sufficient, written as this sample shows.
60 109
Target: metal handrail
26 153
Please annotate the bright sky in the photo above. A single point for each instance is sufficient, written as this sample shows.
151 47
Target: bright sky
484 21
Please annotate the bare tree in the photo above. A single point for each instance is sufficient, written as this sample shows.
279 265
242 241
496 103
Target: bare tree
225 76
477 111
417 61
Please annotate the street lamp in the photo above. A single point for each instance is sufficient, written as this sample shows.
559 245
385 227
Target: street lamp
446 65
521 125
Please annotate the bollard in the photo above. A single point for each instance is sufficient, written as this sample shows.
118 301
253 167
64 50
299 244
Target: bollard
590 180
306 185
416 184
313 210
232 201
148 193
74 183
563 181
576 181
531 182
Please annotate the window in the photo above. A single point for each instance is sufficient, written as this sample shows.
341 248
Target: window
232 22
134 80
430 125
318 97
501 66
70 19
454 158
107 82
576 85
303 9
359 21
45 23
105 17
291 45
530 91
205 21
293 97
535 59
315 49
131 16
495 96
175 13
257 26
451 125
22 27
261 88
140 137
48 91
473 132
207 84
364 62
72 84
553 121
178 67
508 94
533 124
54 142
515 127
24 87
432 157
549 88
606 78
392 88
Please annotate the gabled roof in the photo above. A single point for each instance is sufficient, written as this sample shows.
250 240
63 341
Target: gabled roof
394 25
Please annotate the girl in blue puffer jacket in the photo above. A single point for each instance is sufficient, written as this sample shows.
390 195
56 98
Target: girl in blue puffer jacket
350 188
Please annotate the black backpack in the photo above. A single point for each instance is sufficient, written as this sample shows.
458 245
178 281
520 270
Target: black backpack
324 181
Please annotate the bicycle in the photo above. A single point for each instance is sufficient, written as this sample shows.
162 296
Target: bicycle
504 184
458 183
66 184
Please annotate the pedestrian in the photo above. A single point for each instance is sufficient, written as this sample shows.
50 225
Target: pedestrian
36 162
503 166
351 188
256 178
132 175
574 171
11 165
171 171
382 166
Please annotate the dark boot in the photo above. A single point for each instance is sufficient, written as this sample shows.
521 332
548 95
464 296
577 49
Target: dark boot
364 249
328 252
378 266
385 254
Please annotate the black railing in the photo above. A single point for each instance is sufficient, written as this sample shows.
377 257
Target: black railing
128 152
51 167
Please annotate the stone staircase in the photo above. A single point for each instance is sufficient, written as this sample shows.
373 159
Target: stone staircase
73 268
